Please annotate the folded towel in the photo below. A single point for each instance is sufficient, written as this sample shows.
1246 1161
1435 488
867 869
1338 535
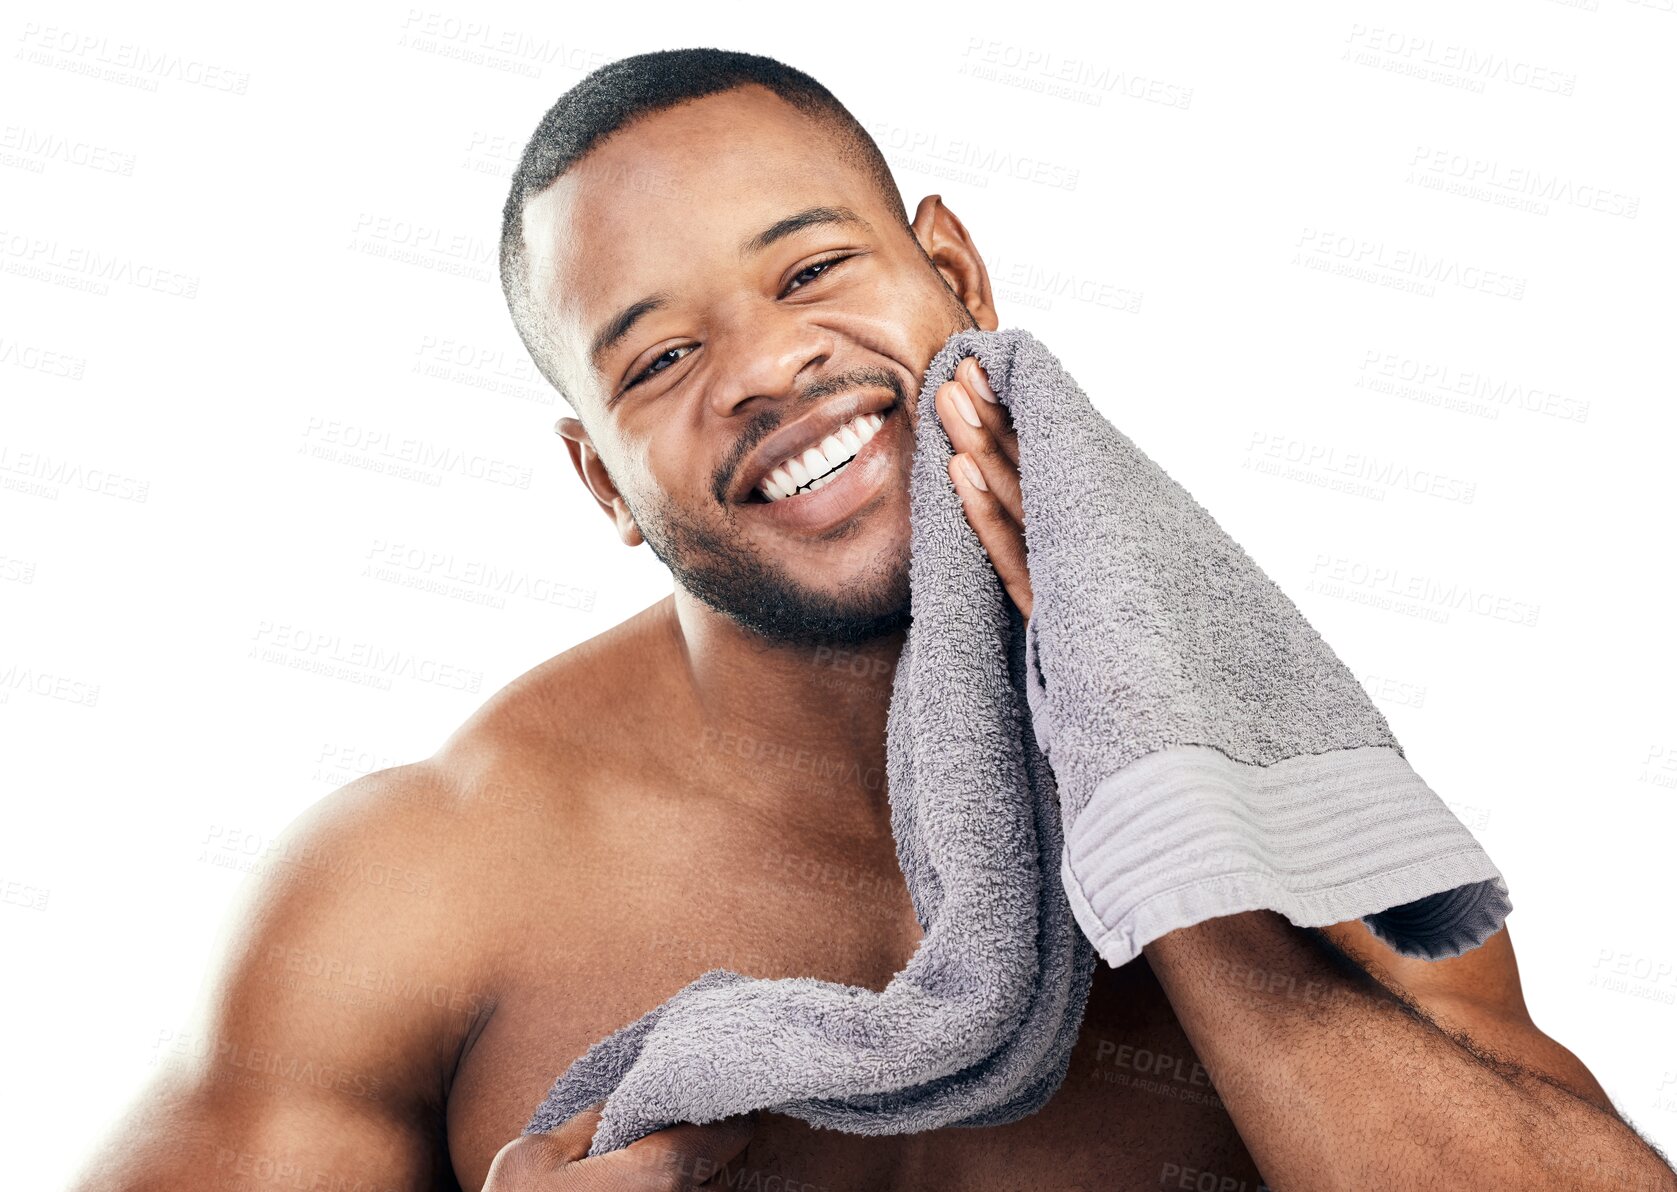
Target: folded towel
1212 754
1209 755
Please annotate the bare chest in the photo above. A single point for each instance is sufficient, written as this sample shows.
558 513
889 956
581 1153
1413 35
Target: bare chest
1136 1108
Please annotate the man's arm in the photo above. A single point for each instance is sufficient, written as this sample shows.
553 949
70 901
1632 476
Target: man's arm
1425 1074
312 1065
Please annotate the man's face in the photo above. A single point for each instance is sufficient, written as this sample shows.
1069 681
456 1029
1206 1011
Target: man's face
791 311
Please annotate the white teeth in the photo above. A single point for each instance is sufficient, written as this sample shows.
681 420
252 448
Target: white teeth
822 461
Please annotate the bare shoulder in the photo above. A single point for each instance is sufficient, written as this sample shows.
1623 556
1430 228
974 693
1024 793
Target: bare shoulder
505 784
546 737
338 1001
566 694
435 847
372 945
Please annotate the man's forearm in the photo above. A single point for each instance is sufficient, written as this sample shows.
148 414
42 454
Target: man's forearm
1334 1083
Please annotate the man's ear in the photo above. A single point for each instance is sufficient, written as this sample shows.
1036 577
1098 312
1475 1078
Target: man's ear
944 239
588 465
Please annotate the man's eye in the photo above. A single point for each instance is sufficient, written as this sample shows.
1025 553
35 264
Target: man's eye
824 267
812 271
652 368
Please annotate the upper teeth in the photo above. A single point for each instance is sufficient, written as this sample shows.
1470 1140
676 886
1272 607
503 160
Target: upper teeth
818 465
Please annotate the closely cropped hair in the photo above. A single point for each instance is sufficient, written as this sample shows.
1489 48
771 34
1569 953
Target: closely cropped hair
614 96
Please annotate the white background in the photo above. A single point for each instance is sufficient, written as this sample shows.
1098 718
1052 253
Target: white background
1217 217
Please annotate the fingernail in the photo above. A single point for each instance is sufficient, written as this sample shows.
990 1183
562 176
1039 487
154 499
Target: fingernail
973 474
963 404
981 384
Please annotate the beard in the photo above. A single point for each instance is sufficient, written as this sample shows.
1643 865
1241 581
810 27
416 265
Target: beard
738 582
718 566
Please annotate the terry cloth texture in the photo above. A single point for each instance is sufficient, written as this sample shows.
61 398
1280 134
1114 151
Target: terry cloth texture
1213 754
1167 736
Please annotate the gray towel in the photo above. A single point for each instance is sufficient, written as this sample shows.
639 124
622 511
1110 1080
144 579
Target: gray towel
1209 755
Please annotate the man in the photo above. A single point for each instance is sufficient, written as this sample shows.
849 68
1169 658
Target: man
707 256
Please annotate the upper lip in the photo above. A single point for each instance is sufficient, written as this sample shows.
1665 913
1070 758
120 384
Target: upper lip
806 432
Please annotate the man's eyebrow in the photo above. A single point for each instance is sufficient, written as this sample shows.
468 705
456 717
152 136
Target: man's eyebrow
620 324
809 218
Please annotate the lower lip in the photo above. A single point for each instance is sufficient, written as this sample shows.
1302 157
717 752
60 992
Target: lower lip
868 471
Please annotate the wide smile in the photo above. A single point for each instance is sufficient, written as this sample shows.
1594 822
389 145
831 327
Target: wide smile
819 464
832 481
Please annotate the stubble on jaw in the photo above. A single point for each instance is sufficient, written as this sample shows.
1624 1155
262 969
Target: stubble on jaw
732 577
720 568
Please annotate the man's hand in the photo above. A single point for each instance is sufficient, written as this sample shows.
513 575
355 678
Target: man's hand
985 472
680 1157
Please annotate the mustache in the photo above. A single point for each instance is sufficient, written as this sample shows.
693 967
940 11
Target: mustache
765 422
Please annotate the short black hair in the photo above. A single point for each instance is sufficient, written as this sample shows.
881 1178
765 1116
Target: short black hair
615 95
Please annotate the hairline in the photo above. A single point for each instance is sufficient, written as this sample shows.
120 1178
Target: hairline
555 347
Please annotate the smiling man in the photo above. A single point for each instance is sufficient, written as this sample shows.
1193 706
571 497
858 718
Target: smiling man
708 258
732 317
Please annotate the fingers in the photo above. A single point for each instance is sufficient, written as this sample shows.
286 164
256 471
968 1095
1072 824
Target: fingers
971 375
991 443
1002 539
533 1161
571 1138
985 472
684 1156
680 1157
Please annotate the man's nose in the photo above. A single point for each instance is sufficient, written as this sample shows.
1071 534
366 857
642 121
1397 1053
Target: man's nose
767 355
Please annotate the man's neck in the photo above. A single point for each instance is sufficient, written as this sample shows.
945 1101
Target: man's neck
813 715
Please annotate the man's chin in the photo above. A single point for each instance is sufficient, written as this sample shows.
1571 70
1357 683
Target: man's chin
740 580
787 614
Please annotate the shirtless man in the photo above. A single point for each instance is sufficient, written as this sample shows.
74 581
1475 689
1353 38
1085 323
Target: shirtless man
716 283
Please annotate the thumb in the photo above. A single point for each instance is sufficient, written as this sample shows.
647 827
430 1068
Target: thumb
535 1156
686 1155
571 1138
